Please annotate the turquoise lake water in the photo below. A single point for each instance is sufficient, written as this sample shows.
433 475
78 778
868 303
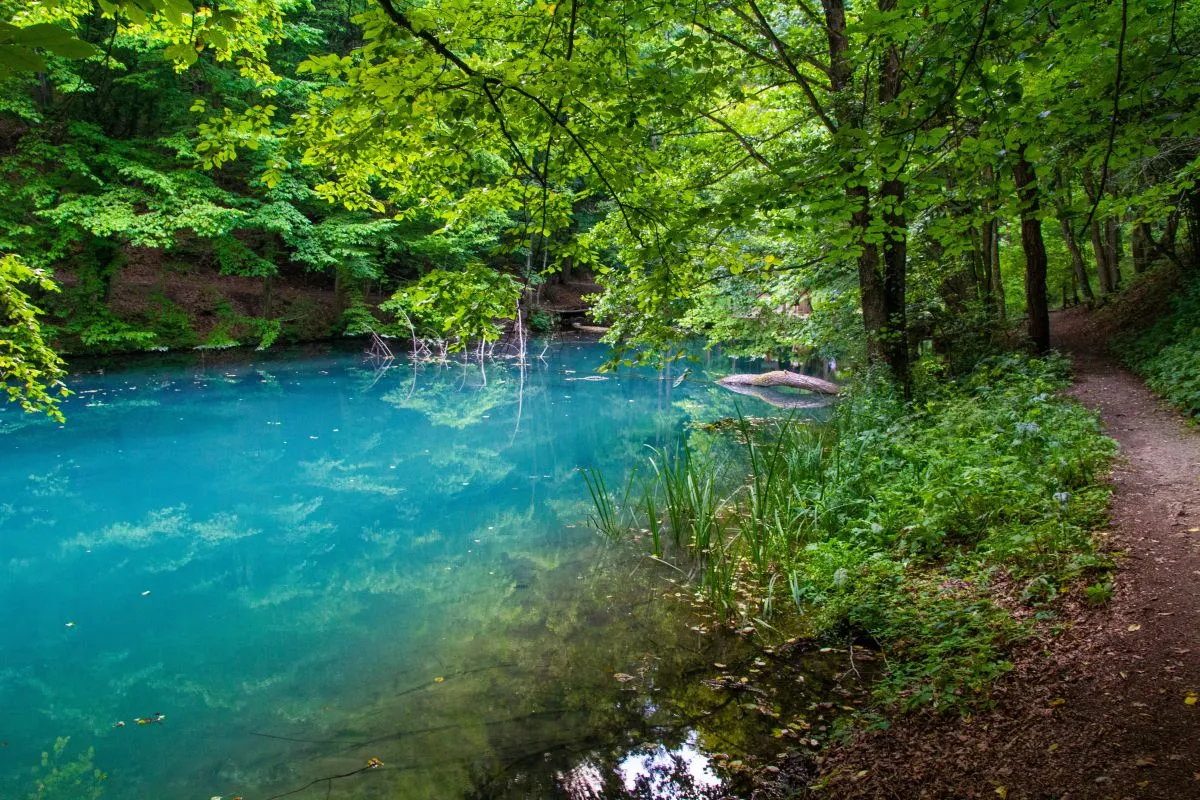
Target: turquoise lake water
304 562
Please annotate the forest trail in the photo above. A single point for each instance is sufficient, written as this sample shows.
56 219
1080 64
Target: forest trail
1102 711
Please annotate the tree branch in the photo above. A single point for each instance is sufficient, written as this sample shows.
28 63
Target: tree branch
488 81
1116 110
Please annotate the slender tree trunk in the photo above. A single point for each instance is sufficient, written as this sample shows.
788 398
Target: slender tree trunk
1112 244
1170 233
1191 211
1035 253
982 261
1103 270
1077 266
997 275
1143 246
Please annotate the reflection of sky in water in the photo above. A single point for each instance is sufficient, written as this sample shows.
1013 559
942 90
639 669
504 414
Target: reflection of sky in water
641 767
304 564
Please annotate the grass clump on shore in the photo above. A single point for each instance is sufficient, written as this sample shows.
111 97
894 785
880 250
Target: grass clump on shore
934 528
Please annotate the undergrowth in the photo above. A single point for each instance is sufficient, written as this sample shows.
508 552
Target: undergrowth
1167 353
933 529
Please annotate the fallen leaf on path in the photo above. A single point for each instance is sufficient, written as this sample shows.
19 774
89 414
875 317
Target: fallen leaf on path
1135 627
1002 791
1145 761
1190 699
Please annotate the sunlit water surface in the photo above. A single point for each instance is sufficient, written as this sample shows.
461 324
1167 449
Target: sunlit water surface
305 562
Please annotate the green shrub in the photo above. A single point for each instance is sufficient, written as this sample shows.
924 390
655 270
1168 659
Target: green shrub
1167 353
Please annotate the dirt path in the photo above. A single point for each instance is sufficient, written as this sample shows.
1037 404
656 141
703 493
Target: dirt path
1101 711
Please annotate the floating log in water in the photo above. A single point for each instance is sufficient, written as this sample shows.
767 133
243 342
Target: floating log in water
579 326
781 377
778 398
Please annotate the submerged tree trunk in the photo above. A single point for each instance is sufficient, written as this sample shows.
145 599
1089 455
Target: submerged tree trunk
1035 253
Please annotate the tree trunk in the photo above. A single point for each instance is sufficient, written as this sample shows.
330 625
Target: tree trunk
1077 265
1103 270
1191 212
895 235
1078 268
1112 244
882 293
1035 253
997 275
1143 246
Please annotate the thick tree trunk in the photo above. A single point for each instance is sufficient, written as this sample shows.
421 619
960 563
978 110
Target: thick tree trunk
1034 246
882 290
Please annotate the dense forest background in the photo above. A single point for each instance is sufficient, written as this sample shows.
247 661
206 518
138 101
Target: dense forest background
867 179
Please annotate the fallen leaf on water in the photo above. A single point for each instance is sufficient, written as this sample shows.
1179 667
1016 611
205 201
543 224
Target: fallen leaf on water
439 679
622 676
1135 627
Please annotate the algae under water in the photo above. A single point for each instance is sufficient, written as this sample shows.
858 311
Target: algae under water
303 563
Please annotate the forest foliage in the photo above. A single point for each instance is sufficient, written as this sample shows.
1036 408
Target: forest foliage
911 172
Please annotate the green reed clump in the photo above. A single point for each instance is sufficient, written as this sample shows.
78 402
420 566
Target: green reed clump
920 525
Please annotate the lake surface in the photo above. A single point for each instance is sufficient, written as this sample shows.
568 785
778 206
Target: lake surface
304 562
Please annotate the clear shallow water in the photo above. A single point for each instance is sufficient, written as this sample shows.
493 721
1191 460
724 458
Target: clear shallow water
304 563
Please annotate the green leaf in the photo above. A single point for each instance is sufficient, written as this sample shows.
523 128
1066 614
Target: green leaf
15 58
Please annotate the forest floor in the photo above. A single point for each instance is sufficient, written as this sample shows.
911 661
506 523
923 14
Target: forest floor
1107 708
